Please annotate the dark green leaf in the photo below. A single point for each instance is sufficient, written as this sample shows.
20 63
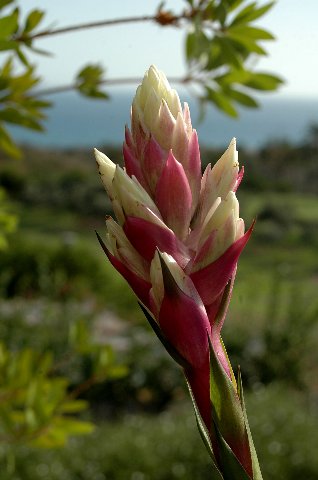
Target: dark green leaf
233 4
33 19
215 58
11 115
221 12
89 80
242 98
257 475
263 81
233 76
197 44
228 53
221 101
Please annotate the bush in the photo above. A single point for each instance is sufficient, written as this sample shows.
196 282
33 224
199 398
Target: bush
168 446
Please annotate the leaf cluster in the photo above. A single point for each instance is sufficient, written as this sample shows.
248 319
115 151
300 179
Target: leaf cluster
34 406
219 47
221 41
19 106
88 82
40 405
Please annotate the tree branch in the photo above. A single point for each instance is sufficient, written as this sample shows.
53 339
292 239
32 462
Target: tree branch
161 17
111 82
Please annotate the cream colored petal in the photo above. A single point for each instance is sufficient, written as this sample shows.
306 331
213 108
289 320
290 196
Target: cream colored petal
225 171
106 169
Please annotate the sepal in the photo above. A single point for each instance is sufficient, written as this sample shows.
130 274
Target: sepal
257 474
227 413
230 466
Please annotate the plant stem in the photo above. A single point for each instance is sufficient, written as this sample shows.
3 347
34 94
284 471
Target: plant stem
111 82
161 17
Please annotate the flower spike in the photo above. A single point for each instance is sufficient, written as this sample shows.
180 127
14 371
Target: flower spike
177 243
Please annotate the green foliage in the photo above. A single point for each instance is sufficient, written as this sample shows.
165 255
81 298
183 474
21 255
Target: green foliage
35 407
20 106
223 38
41 400
88 82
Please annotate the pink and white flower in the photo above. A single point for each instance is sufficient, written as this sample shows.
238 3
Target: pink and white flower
179 234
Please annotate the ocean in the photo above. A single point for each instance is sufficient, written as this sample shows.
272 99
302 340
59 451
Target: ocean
75 121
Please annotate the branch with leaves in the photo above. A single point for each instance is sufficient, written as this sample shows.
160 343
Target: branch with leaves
38 405
221 38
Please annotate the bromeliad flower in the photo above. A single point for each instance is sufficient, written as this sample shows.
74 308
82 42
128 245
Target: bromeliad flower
177 243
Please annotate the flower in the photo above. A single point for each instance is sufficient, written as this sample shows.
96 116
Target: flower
179 235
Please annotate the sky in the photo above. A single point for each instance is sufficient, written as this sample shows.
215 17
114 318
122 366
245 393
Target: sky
128 50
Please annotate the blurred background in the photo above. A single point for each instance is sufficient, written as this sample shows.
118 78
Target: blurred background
86 390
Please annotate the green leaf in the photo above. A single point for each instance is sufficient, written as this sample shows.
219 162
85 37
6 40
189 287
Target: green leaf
228 53
11 115
74 427
22 57
221 101
257 80
89 80
257 474
33 19
254 33
8 145
233 4
221 12
249 44
242 98
8 45
263 81
9 25
197 44
74 406
4 3
251 12
204 435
